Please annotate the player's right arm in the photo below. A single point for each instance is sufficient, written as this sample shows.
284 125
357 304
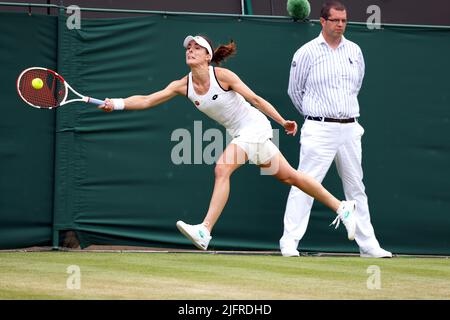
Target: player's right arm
139 102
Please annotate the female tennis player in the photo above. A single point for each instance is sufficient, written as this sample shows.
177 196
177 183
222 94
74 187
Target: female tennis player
221 94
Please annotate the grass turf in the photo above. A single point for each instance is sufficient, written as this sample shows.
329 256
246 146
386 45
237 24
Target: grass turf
188 276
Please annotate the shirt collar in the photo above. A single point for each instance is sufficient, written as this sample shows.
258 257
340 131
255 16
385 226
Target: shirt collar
321 40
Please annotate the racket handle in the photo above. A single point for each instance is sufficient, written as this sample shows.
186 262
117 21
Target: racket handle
95 101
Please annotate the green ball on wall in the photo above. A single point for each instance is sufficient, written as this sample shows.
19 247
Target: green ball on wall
298 9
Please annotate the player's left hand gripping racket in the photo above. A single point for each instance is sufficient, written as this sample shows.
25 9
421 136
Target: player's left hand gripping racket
51 93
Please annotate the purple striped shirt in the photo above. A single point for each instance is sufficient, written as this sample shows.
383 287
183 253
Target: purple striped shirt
325 82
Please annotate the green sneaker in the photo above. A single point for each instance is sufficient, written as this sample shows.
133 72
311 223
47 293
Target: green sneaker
198 234
347 214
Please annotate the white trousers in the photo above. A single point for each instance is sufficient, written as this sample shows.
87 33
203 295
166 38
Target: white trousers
321 144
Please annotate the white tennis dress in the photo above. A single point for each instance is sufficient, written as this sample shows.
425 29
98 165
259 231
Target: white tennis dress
249 127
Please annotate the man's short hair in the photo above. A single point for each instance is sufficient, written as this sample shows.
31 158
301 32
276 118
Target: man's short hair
328 5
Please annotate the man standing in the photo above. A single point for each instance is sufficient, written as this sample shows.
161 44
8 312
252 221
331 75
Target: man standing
325 78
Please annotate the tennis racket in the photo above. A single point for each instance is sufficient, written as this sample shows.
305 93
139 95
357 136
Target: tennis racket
51 91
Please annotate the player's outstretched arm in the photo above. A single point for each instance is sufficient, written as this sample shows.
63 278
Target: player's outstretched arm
139 102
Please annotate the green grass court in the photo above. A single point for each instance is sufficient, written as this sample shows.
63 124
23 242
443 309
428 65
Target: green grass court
191 276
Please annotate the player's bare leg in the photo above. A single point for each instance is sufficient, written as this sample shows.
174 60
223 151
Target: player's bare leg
232 158
285 173
345 210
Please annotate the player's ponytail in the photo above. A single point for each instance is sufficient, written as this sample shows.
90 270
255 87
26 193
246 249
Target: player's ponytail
224 51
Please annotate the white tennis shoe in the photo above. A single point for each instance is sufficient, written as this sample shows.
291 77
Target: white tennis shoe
347 214
375 253
198 234
290 252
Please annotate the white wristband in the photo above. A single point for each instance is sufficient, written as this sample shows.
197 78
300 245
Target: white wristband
119 104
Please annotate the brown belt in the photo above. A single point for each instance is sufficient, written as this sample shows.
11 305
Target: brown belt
349 120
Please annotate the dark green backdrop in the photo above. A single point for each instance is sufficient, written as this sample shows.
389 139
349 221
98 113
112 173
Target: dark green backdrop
26 134
110 177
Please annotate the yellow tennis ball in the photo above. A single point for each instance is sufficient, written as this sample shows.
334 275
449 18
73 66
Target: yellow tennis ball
37 83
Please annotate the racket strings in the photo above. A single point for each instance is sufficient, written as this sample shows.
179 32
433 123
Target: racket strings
50 95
